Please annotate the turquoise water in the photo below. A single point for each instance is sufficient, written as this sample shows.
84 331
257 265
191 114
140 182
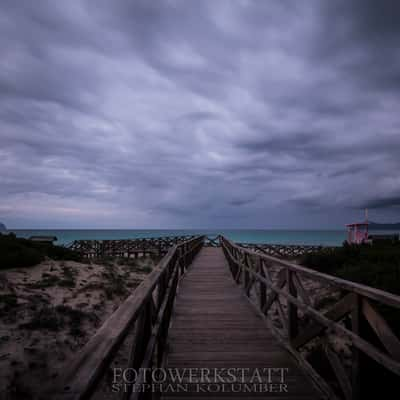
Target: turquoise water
314 237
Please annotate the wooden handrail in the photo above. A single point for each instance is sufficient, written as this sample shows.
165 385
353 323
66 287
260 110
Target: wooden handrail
147 309
249 267
284 250
363 290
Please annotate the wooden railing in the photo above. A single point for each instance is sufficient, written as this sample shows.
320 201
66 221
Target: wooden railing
146 313
126 247
283 250
295 302
212 241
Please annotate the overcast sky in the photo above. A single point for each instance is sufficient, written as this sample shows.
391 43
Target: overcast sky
202 114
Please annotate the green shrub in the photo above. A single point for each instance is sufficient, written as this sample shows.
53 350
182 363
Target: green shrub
55 318
15 252
69 283
75 318
18 252
46 281
59 252
8 303
44 319
375 265
114 284
69 277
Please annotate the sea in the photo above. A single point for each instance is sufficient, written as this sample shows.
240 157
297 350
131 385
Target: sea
275 236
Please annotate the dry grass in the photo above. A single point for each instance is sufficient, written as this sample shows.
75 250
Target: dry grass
49 311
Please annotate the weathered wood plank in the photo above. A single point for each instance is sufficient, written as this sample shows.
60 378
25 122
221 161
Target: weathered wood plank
382 329
340 372
214 326
338 311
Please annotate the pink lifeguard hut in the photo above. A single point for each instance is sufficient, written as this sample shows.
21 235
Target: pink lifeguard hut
357 232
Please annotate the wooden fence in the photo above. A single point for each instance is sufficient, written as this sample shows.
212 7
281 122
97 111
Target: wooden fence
283 250
126 247
287 295
147 313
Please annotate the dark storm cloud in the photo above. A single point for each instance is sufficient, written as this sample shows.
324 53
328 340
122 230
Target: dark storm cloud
384 203
195 114
367 32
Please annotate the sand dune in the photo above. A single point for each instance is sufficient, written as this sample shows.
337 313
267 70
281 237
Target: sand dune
49 311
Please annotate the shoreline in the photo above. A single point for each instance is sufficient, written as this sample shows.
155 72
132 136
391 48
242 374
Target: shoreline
271 236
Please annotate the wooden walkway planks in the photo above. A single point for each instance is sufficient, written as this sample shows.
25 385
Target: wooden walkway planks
214 326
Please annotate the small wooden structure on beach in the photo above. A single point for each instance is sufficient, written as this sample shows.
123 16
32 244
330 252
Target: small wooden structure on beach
43 239
357 232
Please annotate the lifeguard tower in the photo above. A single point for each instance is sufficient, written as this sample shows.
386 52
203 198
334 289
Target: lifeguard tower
357 232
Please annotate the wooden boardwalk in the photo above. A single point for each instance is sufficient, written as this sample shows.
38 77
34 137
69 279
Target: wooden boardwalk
217 337
214 326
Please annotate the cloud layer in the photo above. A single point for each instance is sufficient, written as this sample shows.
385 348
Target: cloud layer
199 114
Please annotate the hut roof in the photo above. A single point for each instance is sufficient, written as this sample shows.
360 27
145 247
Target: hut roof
43 238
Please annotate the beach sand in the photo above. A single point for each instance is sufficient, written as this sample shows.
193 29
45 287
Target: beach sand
49 311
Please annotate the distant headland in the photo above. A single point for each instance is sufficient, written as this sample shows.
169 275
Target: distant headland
2 227
378 226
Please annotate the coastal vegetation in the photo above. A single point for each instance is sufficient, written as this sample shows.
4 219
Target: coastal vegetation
376 265
18 252
48 311
52 300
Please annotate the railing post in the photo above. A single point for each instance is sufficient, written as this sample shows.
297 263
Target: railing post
141 338
291 308
185 255
252 268
263 286
355 364
181 260
238 265
162 287
162 339
245 272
